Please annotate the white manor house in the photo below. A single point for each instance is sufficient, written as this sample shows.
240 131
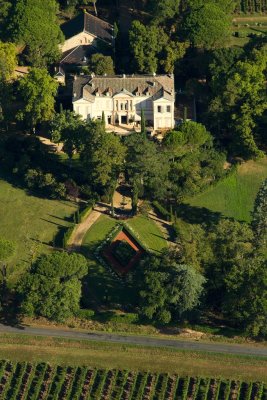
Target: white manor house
121 99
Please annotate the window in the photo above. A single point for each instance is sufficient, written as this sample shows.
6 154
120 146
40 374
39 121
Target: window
168 109
159 109
122 106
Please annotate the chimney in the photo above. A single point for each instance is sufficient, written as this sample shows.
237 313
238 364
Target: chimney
124 76
74 94
75 77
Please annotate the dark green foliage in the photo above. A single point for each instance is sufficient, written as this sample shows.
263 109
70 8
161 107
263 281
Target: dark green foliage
169 288
52 287
194 162
239 101
34 25
37 91
61 121
100 64
150 173
102 155
165 9
246 300
259 217
152 49
143 122
207 26
123 252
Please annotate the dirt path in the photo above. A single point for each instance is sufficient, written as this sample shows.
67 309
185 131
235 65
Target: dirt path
250 19
164 226
79 232
121 198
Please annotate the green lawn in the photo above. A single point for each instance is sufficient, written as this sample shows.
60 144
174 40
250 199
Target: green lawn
111 355
234 197
101 285
31 222
148 232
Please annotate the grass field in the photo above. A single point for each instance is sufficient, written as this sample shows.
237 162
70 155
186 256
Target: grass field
106 355
31 222
234 197
104 287
42 380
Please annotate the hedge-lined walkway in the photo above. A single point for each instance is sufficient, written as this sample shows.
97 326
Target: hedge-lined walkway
76 239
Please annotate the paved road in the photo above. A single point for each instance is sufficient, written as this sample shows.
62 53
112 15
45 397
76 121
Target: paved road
259 351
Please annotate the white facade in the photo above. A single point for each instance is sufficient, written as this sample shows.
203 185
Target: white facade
81 39
124 108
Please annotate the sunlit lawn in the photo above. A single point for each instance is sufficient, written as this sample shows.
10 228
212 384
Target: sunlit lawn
234 197
30 222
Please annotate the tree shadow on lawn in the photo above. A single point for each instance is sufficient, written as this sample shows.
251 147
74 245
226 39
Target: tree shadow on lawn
104 287
198 215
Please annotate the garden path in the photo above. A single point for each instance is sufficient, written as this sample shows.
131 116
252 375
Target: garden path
165 227
79 232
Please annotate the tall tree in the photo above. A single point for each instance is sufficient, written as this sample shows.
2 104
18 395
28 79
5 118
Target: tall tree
52 287
246 300
149 173
102 155
62 120
168 289
37 91
152 48
100 64
165 9
259 217
34 25
207 26
5 7
8 60
240 101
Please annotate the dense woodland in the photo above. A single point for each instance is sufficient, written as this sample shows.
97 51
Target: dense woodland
216 266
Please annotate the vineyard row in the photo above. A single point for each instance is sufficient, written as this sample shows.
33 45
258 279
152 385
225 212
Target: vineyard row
27 381
252 6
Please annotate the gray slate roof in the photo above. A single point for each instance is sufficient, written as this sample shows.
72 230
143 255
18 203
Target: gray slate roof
85 22
78 55
155 86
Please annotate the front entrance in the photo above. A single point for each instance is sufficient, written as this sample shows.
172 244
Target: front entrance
124 119
109 120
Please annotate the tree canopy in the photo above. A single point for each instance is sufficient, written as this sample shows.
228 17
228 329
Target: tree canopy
37 91
207 26
240 101
8 60
102 154
52 287
259 217
34 24
169 289
100 64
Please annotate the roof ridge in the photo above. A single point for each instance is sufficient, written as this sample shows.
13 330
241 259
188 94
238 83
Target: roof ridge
75 48
95 17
